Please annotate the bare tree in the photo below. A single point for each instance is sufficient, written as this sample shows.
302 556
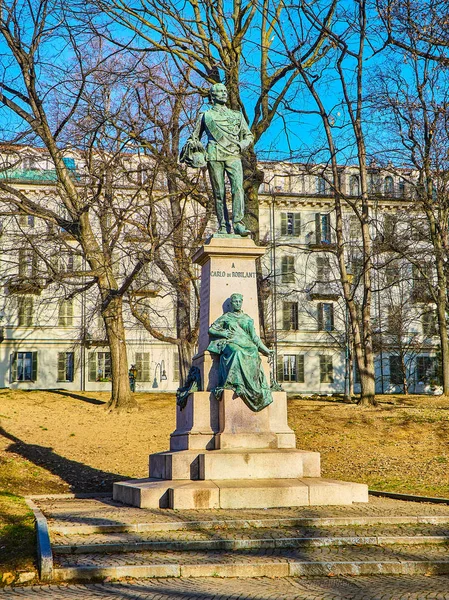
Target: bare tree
419 28
347 61
413 102
234 42
46 85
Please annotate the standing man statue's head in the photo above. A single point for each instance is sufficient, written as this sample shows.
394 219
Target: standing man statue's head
218 94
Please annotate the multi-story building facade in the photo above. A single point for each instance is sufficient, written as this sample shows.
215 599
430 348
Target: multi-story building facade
51 337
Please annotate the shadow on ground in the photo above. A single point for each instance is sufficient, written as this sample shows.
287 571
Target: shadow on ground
80 477
78 397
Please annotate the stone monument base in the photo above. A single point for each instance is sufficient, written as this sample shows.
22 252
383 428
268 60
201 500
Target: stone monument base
222 454
225 456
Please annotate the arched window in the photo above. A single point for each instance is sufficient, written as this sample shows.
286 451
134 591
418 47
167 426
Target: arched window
388 185
354 185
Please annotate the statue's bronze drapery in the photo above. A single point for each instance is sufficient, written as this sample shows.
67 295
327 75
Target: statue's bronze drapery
233 337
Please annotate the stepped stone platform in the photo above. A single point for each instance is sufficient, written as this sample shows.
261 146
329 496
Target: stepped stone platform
99 538
223 454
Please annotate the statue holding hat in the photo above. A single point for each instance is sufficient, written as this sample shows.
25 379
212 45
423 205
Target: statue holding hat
228 135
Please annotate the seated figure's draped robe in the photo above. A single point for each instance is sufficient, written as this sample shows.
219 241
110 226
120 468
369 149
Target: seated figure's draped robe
240 365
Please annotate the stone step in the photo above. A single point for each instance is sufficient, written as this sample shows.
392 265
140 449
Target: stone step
234 539
238 493
288 463
296 562
104 515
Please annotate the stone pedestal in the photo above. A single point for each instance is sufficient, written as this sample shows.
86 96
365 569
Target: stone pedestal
223 455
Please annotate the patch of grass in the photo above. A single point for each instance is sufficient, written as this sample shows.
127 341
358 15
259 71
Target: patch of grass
17 536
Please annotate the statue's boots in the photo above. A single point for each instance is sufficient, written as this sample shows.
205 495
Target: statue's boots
224 228
240 229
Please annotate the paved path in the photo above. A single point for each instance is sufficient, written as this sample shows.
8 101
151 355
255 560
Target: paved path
328 588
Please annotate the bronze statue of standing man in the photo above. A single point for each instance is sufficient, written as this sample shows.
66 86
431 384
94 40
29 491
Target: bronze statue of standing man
228 135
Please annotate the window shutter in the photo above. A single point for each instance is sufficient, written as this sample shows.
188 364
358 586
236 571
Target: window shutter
297 224
92 366
318 228
280 368
295 320
286 316
176 375
331 310
322 369
61 366
13 370
300 368
70 366
69 312
327 228
34 368
284 223
320 316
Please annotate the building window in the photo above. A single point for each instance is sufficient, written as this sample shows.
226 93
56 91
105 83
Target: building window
323 228
392 273
27 262
290 316
389 226
142 361
321 185
354 227
291 224
396 375
176 373
65 317
388 185
99 366
372 183
421 282
354 185
326 369
26 221
395 320
30 163
323 269
425 369
24 366
429 326
325 316
66 366
291 368
401 189
25 311
288 269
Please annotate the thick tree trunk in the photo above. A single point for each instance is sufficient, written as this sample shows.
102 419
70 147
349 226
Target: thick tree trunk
442 331
252 179
122 398
368 386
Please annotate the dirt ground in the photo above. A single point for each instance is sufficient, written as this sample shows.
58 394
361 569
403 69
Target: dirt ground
61 442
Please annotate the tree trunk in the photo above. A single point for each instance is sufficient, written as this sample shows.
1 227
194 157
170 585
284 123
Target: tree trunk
252 180
368 385
442 331
122 398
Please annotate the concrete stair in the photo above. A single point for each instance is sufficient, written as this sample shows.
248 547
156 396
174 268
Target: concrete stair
97 539
236 478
